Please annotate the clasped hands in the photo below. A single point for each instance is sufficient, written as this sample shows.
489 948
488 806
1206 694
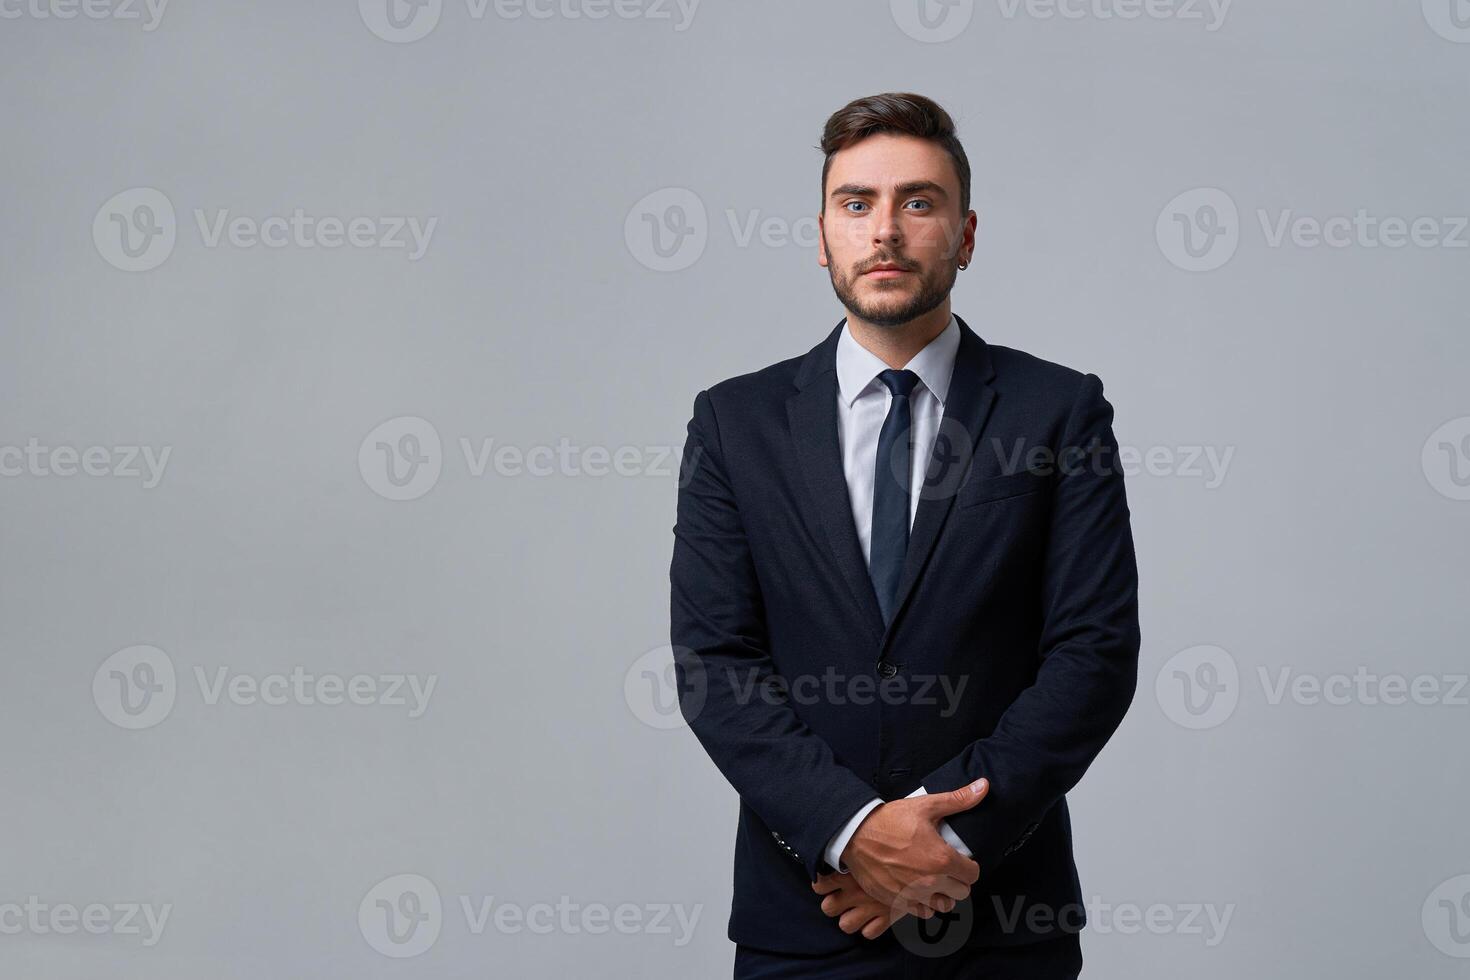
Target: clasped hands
899 865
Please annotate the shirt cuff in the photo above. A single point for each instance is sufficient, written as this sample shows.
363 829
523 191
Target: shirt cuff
839 840
946 831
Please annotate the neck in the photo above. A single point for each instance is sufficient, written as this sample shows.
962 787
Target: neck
896 346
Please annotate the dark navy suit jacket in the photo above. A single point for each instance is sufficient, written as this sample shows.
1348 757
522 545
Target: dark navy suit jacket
1019 584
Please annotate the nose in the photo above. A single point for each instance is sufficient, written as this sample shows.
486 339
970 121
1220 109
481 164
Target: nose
886 230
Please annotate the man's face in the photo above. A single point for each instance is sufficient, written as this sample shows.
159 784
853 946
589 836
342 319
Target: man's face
893 201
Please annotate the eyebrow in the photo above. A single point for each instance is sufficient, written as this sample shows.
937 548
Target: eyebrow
912 187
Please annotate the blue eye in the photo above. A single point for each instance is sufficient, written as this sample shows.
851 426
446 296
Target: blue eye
849 205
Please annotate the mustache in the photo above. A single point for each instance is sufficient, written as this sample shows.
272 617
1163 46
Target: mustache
906 267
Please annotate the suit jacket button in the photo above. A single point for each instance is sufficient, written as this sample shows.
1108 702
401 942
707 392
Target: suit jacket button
886 669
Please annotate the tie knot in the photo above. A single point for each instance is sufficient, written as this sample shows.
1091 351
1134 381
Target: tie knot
899 382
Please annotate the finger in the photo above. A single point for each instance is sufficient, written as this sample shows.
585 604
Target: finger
949 887
876 927
854 919
956 800
919 910
838 903
930 888
961 868
826 884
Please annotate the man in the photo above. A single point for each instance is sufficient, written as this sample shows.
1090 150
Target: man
904 600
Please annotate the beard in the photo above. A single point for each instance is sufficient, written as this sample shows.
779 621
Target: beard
894 302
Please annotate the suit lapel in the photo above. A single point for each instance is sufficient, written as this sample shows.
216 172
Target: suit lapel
812 415
966 410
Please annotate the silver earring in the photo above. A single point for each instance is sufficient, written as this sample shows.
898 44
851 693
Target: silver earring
964 266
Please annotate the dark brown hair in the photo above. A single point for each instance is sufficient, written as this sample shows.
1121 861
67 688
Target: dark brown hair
894 112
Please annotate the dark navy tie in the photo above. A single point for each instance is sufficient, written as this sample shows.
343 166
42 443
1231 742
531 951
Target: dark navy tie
891 491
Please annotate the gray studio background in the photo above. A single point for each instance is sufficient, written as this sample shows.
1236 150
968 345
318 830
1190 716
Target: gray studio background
540 778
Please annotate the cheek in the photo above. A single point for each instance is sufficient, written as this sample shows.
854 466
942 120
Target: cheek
848 235
926 236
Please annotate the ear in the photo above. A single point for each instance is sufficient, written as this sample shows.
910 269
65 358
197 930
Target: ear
821 243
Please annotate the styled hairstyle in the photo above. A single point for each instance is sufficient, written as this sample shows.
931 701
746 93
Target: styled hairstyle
894 112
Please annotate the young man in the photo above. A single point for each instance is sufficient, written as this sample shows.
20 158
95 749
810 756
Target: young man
904 600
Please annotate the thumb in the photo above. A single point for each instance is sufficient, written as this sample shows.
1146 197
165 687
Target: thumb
958 800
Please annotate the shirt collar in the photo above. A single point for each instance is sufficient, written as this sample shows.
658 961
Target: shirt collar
858 367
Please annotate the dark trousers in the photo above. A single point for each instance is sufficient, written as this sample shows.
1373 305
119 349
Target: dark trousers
887 959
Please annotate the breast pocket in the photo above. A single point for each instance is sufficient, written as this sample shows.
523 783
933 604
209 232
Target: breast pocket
978 492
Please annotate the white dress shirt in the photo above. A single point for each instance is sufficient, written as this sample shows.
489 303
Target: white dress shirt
862 405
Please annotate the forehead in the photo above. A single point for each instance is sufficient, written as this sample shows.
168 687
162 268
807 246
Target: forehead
888 159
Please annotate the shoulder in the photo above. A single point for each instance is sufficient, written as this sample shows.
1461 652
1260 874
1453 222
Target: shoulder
751 394
1024 375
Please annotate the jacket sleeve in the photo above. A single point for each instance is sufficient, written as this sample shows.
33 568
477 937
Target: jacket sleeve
782 769
1050 734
